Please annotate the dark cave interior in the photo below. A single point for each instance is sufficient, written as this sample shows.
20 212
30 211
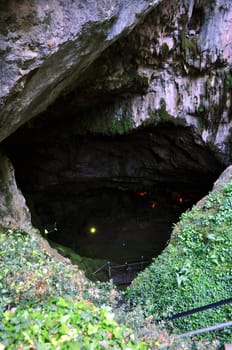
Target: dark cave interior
111 197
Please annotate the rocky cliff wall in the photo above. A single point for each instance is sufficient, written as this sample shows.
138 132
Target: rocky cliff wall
45 45
111 67
175 65
13 210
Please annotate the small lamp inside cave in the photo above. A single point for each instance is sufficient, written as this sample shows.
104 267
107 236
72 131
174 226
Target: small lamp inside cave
153 205
141 194
92 230
180 198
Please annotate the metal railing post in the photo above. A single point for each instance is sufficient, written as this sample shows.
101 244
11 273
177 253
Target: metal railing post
109 269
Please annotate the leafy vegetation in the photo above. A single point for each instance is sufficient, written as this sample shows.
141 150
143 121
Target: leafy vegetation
28 272
86 264
229 81
194 270
47 303
65 324
161 113
189 46
114 122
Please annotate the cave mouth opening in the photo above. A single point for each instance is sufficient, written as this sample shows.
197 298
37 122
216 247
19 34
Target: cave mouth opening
121 226
123 230
111 198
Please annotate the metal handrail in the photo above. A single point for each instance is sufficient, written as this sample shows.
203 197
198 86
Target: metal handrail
126 264
198 309
142 262
204 330
100 268
181 314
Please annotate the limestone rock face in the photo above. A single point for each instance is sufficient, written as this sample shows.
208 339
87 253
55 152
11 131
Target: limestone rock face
44 46
223 179
104 68
177 67
13 209
189 43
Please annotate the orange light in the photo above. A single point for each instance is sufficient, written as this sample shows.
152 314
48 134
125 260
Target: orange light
141 194
153 205
180 199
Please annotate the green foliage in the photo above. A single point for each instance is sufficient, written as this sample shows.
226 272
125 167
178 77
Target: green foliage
48 304
194 270
229 81
65 324
28 273
132 79
164 51
88 265
121 124
160 114
114 122
201 109
200 114
189 46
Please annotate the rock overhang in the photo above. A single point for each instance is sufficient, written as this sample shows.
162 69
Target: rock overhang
45 47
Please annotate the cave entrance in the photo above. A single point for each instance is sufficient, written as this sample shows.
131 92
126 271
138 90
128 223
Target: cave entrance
125 229
121 225
111 198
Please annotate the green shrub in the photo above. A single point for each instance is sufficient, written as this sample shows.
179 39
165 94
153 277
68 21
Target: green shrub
194 270
42 300
65 324
229 81
37 293
28 273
